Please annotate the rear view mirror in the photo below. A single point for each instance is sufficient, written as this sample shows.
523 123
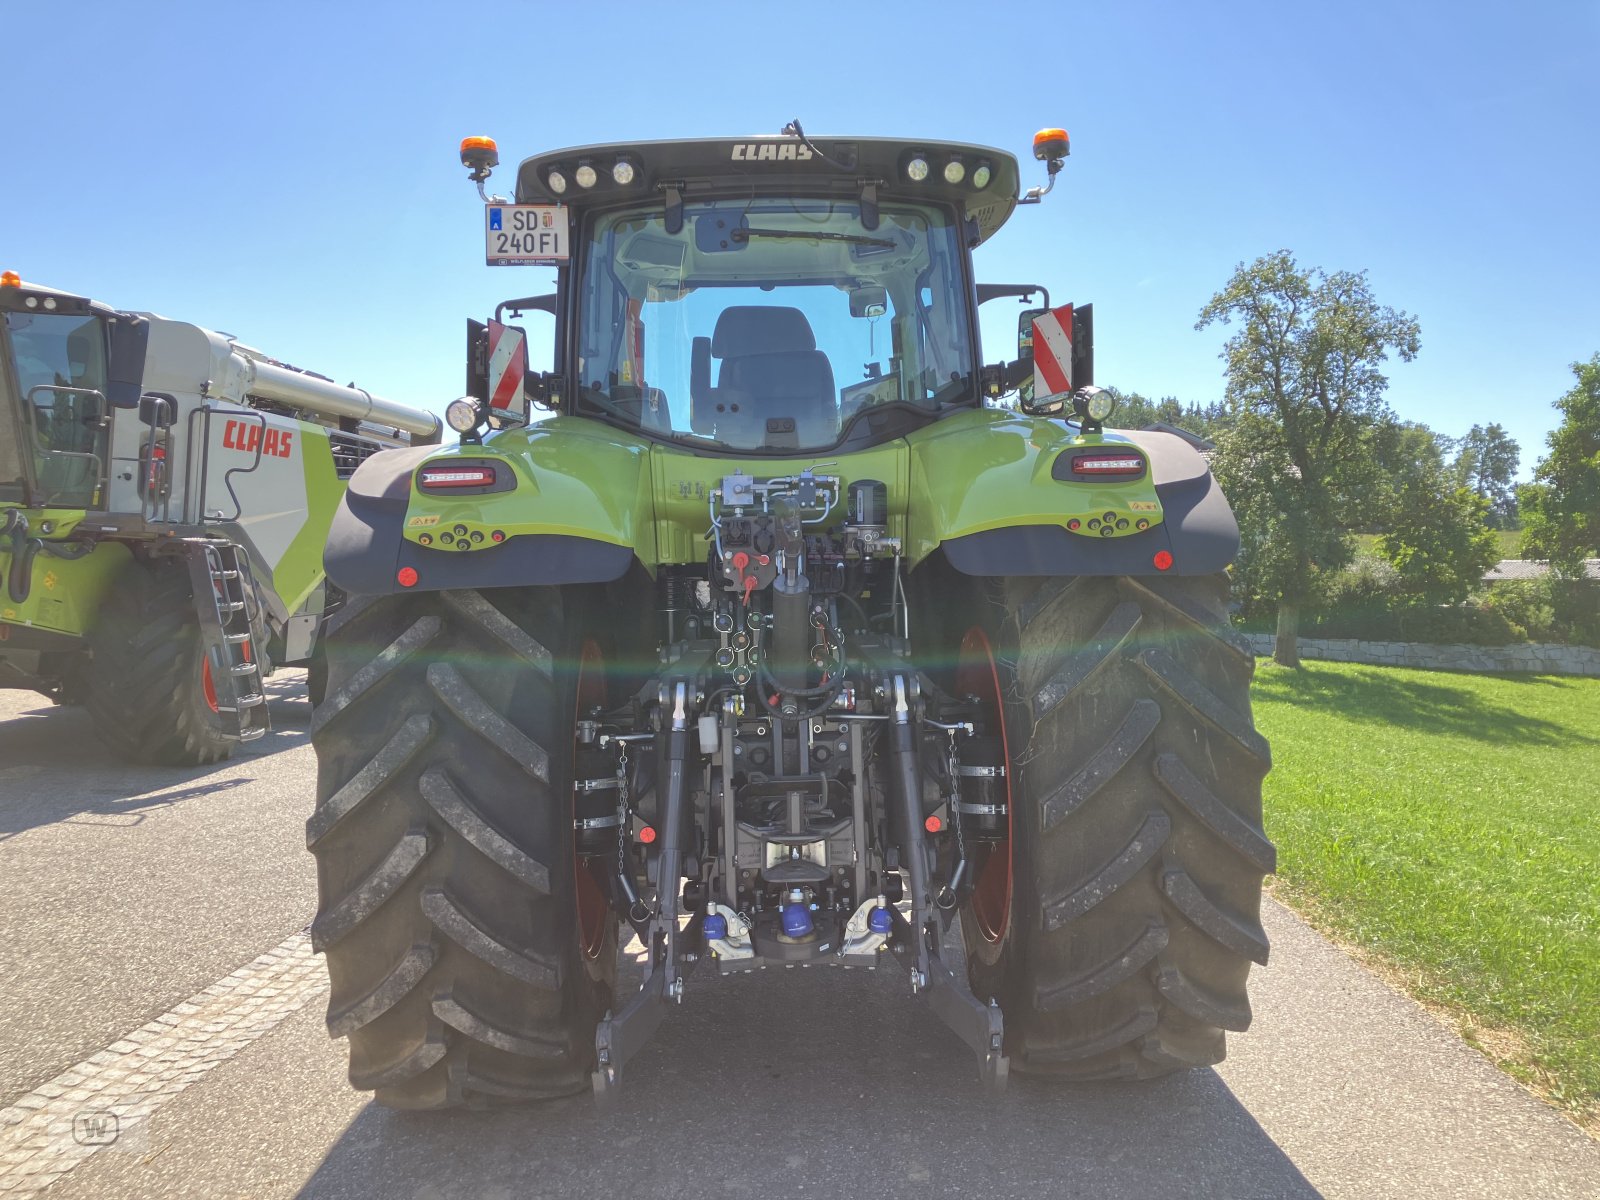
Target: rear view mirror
1058 344
125 362
869 301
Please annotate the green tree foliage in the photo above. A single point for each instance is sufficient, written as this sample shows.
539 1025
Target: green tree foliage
1400 452
1437 539
1486 461
1134 411
1561 508
1304 391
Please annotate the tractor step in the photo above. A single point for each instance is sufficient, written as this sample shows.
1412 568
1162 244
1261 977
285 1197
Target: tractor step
225 600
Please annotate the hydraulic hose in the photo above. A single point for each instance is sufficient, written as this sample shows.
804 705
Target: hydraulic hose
19 581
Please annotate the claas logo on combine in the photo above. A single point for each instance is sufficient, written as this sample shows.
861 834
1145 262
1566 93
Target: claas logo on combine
247 435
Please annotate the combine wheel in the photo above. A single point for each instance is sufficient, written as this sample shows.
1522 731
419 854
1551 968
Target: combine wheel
468 963
1117 924
148 683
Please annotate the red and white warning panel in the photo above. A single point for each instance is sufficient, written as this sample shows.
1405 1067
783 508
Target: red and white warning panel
1052 352
508 367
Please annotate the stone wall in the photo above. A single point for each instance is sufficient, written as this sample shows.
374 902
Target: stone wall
1544 658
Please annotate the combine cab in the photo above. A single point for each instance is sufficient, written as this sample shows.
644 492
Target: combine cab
164 497
783 640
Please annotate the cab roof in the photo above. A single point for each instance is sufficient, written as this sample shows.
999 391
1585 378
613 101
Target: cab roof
775 163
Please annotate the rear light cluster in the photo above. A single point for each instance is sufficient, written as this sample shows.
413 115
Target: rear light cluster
465 476
1107 464
440 479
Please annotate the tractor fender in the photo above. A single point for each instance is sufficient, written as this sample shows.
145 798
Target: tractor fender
1197 535
369 552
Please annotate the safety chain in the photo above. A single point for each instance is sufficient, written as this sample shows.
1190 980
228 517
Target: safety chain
623 824
954 769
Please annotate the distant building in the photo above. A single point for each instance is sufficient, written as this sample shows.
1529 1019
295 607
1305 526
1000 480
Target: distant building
1528 568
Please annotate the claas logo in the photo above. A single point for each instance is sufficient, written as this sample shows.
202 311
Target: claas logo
247 435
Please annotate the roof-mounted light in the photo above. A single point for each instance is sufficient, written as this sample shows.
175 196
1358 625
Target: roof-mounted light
10 279
623 172
479 153
917 169
586 175
556 182
981 176
955 171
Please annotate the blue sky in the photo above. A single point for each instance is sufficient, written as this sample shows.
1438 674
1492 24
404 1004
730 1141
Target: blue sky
288 173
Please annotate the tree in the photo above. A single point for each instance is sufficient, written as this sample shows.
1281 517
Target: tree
1437 538
1561 508
1134 411
1486 461
1304 390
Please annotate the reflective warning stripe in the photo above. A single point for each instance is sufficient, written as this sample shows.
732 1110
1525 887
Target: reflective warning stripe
507 363
1052 352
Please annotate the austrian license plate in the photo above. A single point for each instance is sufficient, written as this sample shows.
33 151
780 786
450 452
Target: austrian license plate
525 234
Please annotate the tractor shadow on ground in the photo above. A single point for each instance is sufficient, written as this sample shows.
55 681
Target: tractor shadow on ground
53 768
1377 696
830 1083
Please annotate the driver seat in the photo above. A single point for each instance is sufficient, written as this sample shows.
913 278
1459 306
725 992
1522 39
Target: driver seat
771 368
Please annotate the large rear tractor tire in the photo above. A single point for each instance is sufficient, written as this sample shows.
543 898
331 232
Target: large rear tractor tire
148 683
1117 923
468 963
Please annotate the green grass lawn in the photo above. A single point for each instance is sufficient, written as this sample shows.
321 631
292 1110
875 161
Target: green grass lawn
1446 823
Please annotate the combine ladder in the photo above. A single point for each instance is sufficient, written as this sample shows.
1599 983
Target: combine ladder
217 569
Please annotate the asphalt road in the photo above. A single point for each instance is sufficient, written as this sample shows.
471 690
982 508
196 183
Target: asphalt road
153 969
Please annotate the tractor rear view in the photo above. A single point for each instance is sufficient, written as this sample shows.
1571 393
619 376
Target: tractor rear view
164 496
781 641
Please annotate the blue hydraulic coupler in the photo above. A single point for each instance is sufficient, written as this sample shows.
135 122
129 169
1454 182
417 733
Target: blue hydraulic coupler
796 920
879 920
714 926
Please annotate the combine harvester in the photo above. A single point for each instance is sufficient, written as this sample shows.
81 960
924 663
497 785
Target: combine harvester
164 497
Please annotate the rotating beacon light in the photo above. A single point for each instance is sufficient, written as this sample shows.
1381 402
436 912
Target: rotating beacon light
1051 147
481 156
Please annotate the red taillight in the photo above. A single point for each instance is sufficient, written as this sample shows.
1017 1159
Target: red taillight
933 824
438 478
647 835
406 577
1163 560
1107 464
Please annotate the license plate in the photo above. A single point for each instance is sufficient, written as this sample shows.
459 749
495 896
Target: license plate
525 234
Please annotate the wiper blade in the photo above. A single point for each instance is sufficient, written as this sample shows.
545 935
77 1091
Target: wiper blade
855 239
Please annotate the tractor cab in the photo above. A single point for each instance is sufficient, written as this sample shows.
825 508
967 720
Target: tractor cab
65 363
779 294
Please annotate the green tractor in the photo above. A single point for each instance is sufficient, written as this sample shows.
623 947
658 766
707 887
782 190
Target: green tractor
783 640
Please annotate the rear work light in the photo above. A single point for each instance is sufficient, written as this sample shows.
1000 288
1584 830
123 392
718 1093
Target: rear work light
1108 464
441 478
